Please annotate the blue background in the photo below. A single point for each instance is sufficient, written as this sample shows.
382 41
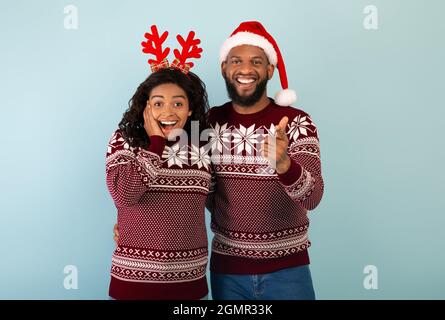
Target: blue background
377 97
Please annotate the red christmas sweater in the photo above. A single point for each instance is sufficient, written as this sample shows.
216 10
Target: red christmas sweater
259 217
160 195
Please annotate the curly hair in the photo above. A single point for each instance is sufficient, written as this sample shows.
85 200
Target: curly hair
132 123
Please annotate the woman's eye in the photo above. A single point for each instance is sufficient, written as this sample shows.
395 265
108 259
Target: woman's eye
178 104
157 104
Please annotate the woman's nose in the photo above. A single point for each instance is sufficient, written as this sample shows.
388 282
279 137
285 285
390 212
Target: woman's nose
168 109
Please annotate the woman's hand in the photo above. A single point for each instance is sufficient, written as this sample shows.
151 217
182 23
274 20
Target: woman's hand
150 124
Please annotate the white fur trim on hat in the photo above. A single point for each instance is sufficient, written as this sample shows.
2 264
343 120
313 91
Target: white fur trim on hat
285 97
248 38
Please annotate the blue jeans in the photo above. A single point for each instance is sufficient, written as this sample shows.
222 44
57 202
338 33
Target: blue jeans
293 283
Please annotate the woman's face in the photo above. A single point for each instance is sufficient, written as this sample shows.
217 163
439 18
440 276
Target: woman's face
170 107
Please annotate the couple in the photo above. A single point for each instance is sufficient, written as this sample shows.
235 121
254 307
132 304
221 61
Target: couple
258 176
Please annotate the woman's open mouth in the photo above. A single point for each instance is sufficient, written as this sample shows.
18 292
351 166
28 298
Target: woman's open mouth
167 124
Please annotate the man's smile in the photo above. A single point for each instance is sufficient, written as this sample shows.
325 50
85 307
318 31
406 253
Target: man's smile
245 82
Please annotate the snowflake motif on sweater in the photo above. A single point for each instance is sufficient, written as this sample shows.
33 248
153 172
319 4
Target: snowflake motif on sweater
176 155
300 125
245 139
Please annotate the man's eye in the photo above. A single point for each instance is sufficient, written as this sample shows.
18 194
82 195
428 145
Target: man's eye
256 62
178 104
235 61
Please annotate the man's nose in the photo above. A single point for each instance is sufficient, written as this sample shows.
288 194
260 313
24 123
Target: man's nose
245 67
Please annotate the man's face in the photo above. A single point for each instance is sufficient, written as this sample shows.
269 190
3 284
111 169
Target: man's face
246 72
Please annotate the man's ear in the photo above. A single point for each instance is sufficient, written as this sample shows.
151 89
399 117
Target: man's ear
190 112
270 70
223 68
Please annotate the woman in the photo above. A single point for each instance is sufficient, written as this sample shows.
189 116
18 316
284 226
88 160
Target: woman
160 186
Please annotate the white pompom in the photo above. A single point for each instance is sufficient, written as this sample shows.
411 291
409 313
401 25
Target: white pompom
285 97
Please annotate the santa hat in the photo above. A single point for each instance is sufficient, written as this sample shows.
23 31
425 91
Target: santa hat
253 33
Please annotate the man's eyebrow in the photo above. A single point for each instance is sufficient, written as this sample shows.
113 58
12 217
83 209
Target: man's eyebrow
254 57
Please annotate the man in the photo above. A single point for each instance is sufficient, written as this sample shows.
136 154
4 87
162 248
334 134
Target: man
268 175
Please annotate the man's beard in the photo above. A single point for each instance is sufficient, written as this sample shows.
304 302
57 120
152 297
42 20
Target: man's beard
247 100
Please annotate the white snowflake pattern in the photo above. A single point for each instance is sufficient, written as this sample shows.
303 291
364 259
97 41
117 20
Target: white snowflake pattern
116 141
271 131
175 155
300 126
220 137
200 157
246 139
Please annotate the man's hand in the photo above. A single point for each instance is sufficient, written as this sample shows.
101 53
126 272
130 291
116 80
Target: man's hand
150 124
276 151
116 233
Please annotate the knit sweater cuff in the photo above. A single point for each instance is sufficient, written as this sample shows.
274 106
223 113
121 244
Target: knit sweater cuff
292 175
157 145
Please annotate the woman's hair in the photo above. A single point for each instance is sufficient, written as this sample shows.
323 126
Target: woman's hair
132 123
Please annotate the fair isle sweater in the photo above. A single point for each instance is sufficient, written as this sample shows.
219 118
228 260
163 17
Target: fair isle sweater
259 217
160 195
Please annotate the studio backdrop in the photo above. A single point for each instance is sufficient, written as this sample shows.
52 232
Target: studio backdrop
370 73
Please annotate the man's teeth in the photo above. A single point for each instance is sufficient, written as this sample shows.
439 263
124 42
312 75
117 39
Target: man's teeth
168 123
244 80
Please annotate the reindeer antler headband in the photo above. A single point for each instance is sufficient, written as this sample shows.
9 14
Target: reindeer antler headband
153 46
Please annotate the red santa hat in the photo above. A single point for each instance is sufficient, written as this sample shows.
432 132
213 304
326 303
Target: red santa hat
253 33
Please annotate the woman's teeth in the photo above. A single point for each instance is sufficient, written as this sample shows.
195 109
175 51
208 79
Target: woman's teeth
169 123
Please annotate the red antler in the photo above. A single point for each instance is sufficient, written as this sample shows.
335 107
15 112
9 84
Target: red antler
153 45
189 49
